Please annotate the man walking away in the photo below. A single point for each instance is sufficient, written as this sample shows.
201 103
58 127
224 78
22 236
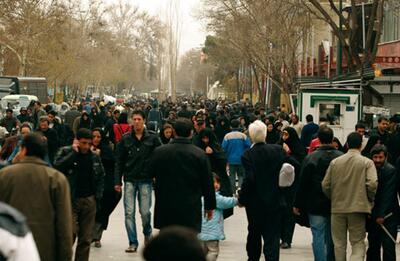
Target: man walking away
385 210
234 145
42 195
312 201
350 182
308 131
85 174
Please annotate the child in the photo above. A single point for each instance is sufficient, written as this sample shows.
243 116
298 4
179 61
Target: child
212 231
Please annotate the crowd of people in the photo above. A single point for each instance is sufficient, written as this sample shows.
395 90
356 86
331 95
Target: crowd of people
65 174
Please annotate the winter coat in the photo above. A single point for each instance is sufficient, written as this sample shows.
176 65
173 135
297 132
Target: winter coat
133 157
350 183
66 161
234 144
182 176
42 195
119 129
214 229
309 197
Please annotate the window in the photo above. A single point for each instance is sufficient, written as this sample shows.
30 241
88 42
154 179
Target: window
329 114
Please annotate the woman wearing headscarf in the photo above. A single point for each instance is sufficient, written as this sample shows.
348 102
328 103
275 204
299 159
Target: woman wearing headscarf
273 135
222 128
84 121
166 134
98 122
218 163
372 141
121 127
110 196
296 154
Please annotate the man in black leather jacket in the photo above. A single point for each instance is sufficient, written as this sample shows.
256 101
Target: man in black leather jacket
385 210
312 201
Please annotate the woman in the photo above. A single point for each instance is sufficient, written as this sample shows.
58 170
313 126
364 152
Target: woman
121 127
218 163
295 150
110 196
96 118
84 122
166 134
372 141
222 128
337 144
272 134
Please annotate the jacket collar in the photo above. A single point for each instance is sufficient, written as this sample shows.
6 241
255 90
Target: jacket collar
181 141
145 134
354 151
325 147
34 160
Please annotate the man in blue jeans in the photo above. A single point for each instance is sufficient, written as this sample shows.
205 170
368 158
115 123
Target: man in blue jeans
234 145
132 157
310 199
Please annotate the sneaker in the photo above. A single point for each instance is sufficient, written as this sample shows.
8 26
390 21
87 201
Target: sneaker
131 249
285 245
97 244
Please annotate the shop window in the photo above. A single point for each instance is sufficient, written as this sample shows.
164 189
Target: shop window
329 114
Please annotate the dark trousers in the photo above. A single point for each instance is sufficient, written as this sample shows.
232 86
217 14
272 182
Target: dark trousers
263 225
287 224
84 212
377 238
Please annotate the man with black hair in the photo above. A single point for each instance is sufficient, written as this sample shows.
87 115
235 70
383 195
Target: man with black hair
311 200
175 243
38 112
385 211
350 182
42 195
24 116
133 154
234 144
308 131
9 121
51 137
381 130
85 174
182 176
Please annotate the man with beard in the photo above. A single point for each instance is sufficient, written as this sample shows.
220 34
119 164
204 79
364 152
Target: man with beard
385 210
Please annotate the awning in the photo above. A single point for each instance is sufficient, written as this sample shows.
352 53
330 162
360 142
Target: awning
317 98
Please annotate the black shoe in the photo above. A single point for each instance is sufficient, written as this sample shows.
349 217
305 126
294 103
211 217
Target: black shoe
285 245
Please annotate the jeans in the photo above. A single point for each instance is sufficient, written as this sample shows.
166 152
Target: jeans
235 170
143 191
322 238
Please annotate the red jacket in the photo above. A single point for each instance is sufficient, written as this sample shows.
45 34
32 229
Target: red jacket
120 129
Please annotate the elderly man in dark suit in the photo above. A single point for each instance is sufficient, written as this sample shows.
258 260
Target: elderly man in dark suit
260 194
183 175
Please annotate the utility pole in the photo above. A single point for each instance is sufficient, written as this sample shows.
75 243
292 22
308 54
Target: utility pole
340 51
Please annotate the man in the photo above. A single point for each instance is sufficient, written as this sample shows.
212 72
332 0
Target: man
132 161
51 137
108 128
42 195
310 199
38 112
9 121
24 116
55 124
234 145
70 116
24 130
261 195
361 129
385 210
85 174
350 182
381 130
296 124
182 176
308 131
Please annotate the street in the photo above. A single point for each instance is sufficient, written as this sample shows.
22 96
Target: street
114 241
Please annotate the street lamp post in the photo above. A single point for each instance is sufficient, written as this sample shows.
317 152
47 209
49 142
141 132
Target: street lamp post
339 53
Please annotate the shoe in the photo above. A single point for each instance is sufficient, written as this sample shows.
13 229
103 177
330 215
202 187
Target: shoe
97 244
147 239
131 249
285 245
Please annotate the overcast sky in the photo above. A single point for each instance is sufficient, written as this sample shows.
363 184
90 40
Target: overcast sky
193 35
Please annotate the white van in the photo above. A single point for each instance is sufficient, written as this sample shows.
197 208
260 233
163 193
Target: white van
16 102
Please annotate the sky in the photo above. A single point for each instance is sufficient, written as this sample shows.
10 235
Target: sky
193 34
